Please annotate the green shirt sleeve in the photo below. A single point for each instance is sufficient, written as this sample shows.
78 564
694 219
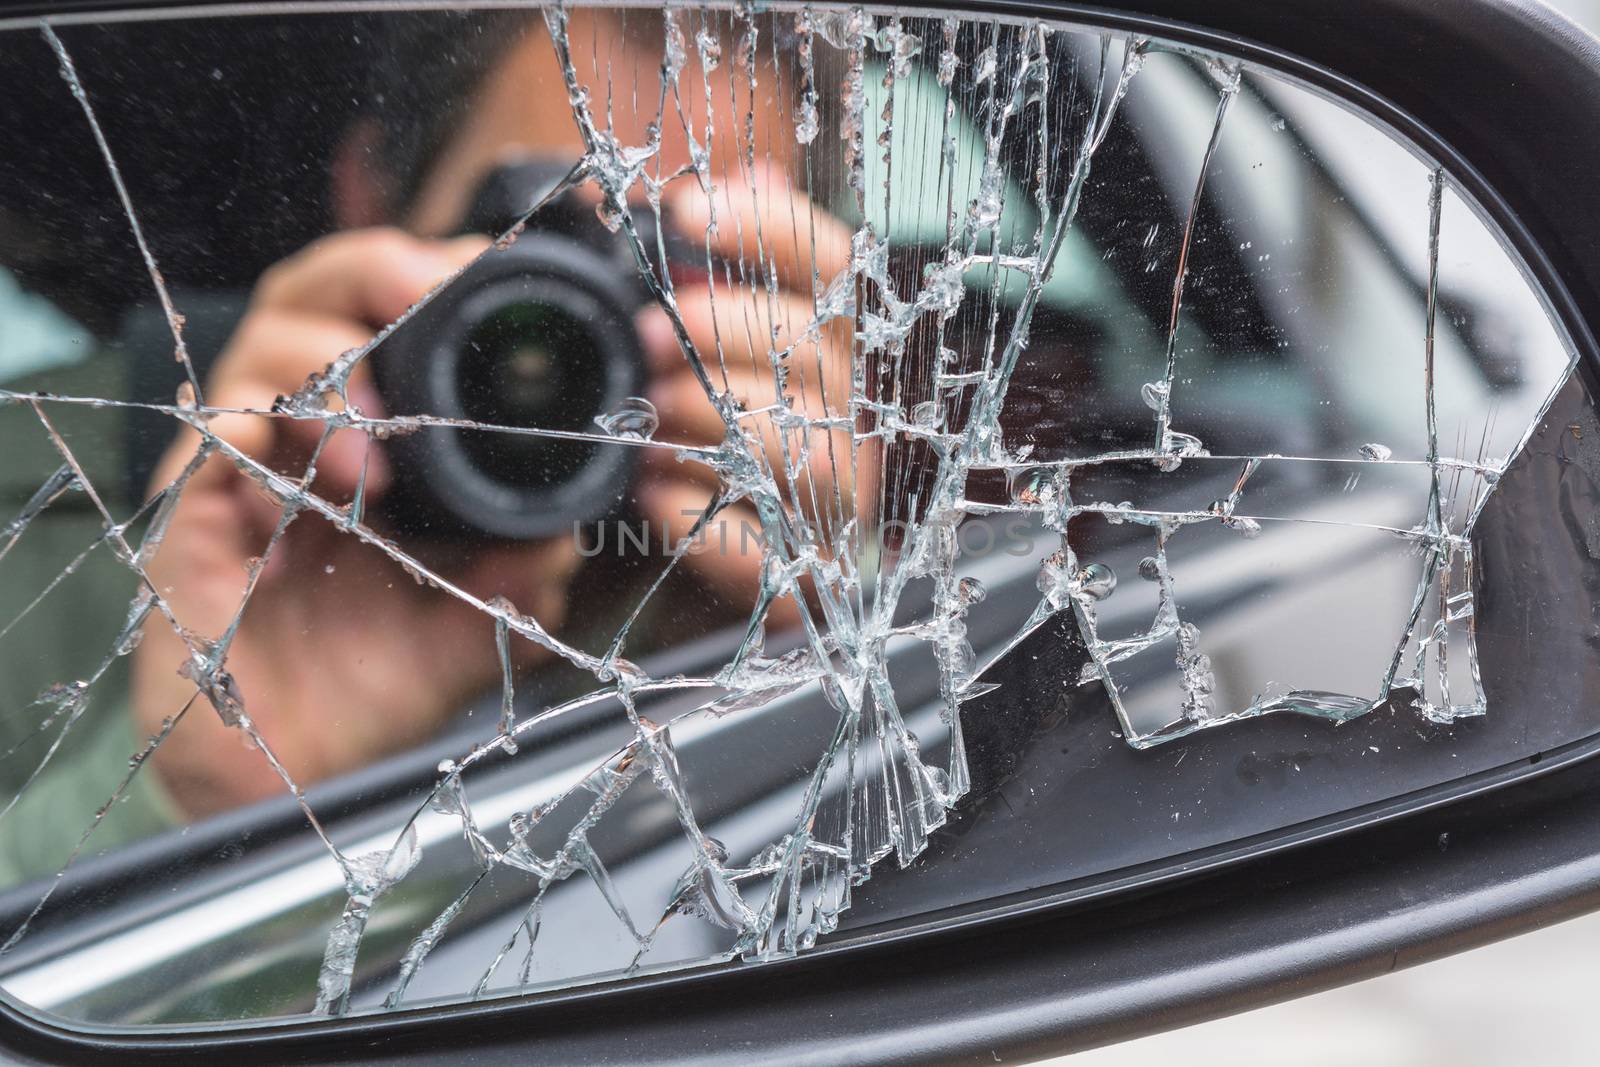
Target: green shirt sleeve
39 833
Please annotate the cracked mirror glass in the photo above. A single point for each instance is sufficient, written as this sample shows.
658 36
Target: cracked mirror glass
505 500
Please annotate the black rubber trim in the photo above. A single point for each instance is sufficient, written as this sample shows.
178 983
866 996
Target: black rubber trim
1353 908
1503 94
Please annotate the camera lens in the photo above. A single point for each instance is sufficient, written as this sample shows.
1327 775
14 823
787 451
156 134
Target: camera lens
530 365
537 336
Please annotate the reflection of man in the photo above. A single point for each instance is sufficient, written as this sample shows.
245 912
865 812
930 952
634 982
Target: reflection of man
341 657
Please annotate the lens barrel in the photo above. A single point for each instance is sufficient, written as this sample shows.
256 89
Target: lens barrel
536 336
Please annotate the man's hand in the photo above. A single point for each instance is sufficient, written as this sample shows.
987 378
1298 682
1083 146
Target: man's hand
763 228
340 655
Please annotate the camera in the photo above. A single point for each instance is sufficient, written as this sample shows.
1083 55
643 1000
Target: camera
537 335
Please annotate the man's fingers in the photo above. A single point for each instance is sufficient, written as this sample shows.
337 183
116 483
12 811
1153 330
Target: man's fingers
351 458
727 555
741 334
370 276
270 354
761 218
534 577
275 349
820 451
659 339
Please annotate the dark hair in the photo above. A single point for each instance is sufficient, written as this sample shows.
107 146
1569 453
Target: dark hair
224 130
226 170
421 77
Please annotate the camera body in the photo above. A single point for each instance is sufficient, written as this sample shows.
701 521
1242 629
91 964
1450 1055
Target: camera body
536 335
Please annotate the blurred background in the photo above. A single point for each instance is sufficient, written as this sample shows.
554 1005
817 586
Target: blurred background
1523 1001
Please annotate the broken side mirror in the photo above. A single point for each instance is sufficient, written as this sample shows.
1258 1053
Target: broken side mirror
1099 488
